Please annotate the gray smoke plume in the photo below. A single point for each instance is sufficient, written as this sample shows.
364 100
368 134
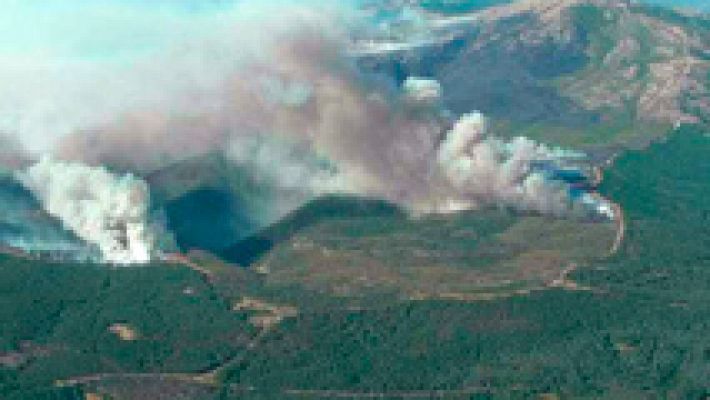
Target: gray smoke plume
304 91
12 153
281 92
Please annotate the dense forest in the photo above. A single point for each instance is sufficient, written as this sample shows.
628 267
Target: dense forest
637 328
640 329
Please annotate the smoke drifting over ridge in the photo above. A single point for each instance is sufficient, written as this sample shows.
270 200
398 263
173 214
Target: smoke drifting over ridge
280 74
304 88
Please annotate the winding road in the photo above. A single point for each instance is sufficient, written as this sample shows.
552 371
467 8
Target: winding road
211 376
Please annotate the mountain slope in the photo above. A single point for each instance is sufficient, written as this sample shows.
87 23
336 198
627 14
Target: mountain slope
584 73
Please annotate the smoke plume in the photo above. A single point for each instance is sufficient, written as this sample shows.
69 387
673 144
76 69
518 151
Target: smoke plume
304 91
491 170
102 208
12 153
273 85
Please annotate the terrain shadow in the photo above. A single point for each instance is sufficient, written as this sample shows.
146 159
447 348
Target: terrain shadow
209 219
247 251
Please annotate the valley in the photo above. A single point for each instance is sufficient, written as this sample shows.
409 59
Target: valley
371 235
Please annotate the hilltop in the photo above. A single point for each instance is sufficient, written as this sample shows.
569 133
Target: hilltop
585 73
276 293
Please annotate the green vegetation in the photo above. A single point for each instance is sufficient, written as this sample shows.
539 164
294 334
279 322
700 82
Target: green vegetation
603 29
611 132
56 320
360 248
596 24
639 330
619 50
247 251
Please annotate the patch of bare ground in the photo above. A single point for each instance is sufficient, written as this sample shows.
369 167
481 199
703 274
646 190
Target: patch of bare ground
167 376
156 386
662 97
27 351
620 228
622 347
124 331
16 252
550 12
267 314
649 64
185 260
13 359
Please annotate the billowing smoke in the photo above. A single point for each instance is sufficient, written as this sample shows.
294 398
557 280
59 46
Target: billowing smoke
494 171
104 209
273 85
304 92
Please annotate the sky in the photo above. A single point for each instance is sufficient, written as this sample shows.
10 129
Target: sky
699 4
67 65
100 28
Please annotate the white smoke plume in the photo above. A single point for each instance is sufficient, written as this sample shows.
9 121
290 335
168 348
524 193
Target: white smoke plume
102 208
488 169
